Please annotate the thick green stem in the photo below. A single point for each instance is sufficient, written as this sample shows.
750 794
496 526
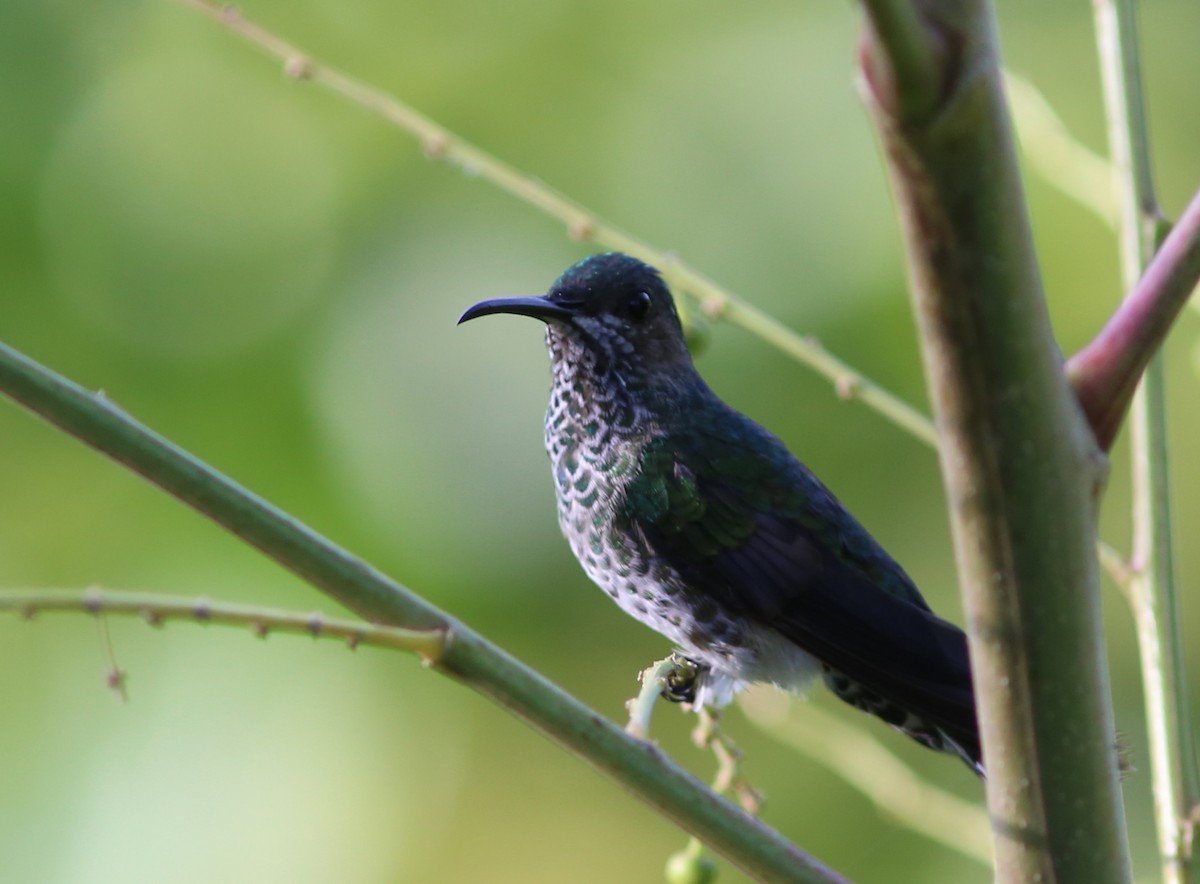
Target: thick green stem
902 58
1022 474
639 766
1154 595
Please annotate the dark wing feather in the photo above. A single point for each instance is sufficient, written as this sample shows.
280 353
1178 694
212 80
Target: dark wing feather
894 648
749 527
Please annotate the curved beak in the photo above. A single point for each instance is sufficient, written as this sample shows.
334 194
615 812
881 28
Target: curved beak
539 308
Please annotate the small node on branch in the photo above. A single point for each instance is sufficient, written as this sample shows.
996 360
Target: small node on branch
438 642
847 386
202 610
260 630
581 229
908 57
152 618
93 600
434 146
714 307
299 68
316 623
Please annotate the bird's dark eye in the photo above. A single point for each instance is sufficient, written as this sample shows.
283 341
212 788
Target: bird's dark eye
637 306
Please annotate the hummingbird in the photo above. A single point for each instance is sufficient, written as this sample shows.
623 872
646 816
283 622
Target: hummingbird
701 524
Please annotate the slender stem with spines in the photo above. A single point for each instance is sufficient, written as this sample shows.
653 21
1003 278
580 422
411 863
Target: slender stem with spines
860 759
1154 595
464 655
156 609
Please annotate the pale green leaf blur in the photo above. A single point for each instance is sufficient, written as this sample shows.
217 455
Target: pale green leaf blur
270 277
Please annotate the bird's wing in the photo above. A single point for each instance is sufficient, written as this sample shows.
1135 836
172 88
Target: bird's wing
749 527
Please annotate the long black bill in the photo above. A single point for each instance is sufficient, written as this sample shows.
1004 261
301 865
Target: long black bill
539 308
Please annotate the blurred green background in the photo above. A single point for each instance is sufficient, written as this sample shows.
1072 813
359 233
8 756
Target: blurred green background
270 277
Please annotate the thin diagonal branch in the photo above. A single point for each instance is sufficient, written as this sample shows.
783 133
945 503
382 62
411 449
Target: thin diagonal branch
860 759
875 771
1059 158
441 144
638 766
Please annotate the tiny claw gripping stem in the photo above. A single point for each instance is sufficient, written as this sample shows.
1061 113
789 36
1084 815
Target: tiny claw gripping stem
679 685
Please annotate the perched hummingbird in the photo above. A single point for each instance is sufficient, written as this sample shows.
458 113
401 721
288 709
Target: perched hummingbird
702 525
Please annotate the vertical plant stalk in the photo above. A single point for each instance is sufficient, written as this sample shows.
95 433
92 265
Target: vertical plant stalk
1155 600
1020 464
1154 594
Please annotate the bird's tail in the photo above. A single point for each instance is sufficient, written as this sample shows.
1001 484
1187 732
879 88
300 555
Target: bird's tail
973 759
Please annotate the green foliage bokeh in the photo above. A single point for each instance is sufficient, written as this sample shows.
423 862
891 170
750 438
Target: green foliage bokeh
270 277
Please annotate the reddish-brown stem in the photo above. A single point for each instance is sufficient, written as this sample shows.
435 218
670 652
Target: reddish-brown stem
1106 372
902 56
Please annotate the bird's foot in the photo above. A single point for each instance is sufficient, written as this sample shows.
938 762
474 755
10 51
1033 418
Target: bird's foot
681 683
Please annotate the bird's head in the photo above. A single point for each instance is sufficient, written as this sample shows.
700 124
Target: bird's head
610 314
